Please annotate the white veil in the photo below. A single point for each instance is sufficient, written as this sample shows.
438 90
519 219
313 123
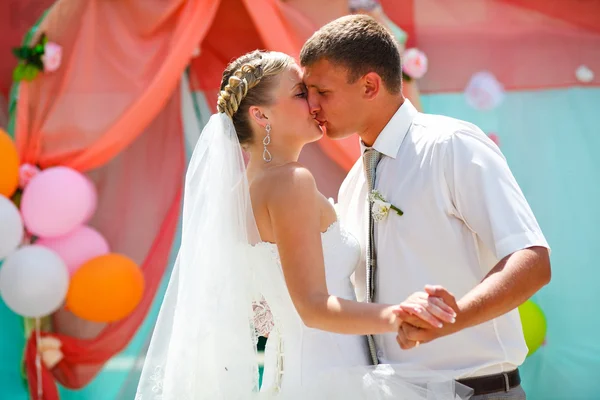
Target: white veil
203 345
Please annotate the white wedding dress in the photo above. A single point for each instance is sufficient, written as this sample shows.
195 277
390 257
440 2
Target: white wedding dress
295 354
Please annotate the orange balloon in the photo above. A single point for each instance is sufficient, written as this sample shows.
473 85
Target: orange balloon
105 289
9 165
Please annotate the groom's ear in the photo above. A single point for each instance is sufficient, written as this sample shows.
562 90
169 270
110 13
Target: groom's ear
257 115
371 85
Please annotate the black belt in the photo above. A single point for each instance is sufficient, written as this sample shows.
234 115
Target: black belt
493 383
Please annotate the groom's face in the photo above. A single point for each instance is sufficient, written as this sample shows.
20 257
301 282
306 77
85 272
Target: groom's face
336 104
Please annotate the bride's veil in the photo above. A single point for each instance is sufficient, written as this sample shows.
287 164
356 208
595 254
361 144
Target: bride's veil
203 344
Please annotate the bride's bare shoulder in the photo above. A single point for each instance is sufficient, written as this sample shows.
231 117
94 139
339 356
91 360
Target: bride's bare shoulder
286 180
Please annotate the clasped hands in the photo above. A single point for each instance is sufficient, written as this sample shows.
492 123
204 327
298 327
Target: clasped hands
426 316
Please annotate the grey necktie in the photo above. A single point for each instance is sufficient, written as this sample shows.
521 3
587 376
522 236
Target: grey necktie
370 159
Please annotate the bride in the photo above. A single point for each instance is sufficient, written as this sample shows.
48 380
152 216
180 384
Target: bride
263 234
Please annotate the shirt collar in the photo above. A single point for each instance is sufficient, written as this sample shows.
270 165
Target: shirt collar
390 138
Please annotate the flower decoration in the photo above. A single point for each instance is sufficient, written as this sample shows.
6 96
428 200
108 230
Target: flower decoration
381 207
584 74
52 57
43 56
414 64
26 173
484 92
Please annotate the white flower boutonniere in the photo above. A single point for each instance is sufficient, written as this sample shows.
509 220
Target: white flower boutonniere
381 207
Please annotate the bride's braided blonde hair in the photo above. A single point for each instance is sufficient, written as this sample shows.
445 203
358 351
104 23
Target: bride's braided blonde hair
249 81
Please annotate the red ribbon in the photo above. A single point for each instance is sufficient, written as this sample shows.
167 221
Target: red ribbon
49 389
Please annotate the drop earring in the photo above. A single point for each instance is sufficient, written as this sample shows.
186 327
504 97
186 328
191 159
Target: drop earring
266 141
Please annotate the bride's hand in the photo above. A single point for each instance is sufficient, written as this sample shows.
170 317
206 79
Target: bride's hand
425 311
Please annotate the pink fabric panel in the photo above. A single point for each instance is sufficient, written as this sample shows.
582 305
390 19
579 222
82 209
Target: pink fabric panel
523 48
123 60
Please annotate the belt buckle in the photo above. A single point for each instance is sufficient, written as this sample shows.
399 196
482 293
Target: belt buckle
506 382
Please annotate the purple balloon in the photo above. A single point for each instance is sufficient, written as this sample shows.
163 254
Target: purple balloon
77 247
56 201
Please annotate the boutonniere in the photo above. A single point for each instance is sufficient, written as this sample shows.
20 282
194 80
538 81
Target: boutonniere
43 56
381 207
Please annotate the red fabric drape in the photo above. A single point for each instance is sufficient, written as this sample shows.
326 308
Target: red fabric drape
246 25
16 18
111 111
583 14
143 47
525 44
402 12
49 389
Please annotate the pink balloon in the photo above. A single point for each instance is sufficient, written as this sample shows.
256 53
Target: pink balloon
56 201
77 247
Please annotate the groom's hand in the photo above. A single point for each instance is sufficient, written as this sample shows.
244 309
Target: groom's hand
425 311
403 340
412 334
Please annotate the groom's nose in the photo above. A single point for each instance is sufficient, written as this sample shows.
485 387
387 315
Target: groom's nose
313 104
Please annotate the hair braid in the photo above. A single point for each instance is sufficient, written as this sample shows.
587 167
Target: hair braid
249 81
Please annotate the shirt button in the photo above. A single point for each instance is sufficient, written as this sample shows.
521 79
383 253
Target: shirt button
380 354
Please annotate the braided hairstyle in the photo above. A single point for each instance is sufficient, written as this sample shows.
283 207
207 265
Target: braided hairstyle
249 81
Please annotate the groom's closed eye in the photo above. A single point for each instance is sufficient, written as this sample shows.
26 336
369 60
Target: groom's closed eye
320 92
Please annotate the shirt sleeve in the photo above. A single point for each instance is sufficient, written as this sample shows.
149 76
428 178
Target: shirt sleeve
485 195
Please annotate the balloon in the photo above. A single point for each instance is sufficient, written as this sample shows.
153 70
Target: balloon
34 281
105 289
56 201
77 247
9 165
11 227
534 325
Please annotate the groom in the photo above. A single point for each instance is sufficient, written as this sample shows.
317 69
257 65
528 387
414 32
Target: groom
465 225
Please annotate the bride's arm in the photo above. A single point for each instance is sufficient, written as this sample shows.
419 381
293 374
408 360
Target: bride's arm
294 210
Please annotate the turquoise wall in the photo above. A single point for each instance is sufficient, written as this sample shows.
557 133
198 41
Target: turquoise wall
549 139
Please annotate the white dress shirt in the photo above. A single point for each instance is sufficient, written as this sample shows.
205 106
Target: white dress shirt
463 213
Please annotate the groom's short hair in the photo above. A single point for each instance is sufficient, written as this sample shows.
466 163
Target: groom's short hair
361 45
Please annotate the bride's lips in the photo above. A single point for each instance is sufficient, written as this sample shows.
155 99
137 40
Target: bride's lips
322 127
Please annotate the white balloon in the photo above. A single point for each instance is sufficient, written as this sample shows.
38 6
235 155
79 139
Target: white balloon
34 281
11 227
